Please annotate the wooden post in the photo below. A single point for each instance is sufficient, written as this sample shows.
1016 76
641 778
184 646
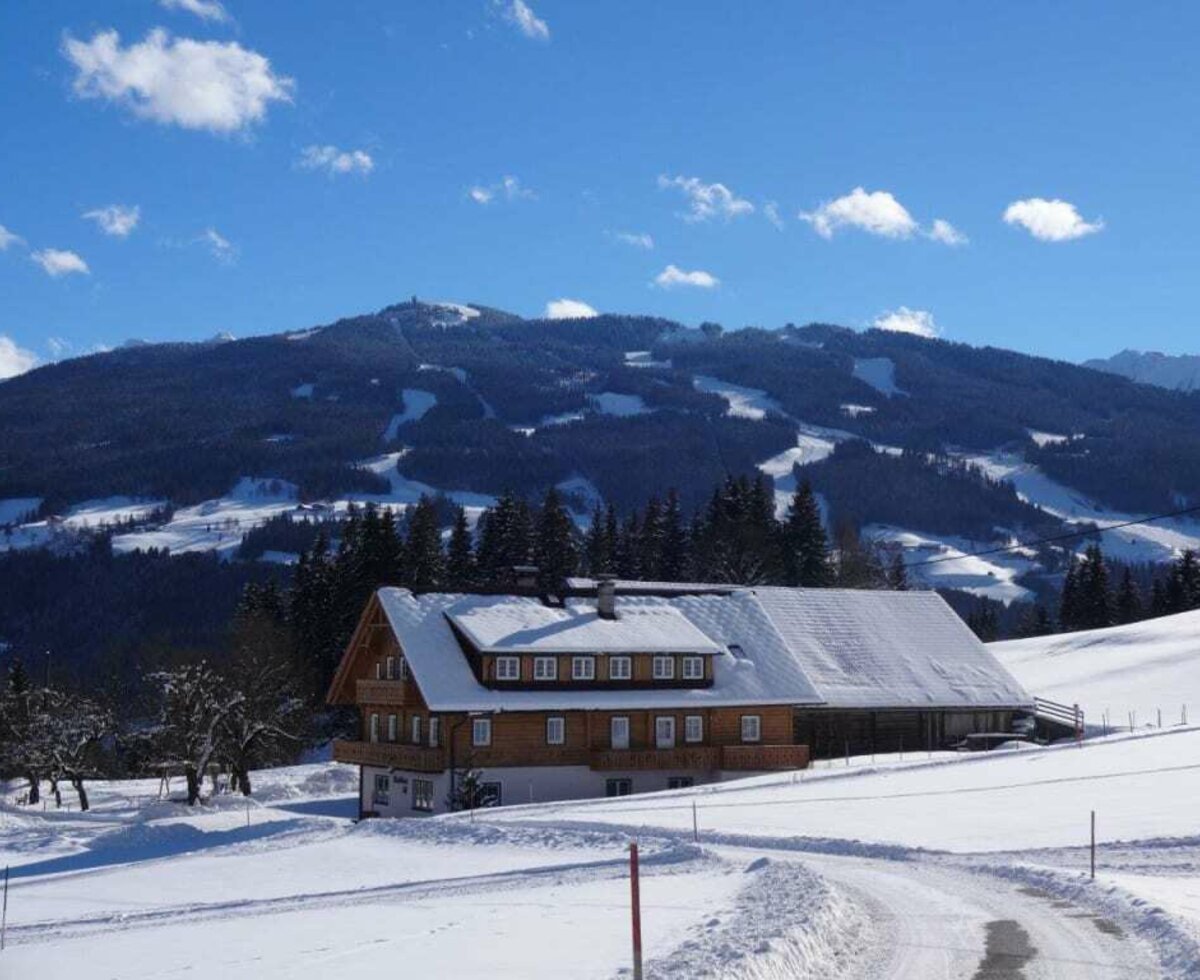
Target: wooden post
695 824
1093 845
636 909
847 745
4 914
1078 727
1160 717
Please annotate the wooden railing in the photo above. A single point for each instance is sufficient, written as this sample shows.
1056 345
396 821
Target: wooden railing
379 692
763 758
390 755
630 760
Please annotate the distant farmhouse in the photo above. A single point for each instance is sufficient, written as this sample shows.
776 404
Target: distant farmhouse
617 687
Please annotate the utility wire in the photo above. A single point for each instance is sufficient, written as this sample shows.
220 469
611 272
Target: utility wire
1097 529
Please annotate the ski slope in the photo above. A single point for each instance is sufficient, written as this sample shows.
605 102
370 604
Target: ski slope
1140 669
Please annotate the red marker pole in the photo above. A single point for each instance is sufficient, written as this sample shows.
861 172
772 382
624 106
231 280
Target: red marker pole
636 904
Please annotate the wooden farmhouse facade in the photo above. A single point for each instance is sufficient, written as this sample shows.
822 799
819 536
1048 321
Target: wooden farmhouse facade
469 700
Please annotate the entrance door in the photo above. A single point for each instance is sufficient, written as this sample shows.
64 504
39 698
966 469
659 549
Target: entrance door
664 732
619 731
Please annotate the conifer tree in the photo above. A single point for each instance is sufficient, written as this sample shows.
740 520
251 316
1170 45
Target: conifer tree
1095 594
805 558
460 556
1129 599
650 541
897 576
426 565
555 552
1069 611
673 561
596 552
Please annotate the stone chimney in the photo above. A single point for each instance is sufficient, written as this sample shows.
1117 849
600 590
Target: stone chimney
606 596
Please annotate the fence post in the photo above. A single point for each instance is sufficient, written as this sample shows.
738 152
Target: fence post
1093 845
695 824
636 909
1160 717
1078 726
4 914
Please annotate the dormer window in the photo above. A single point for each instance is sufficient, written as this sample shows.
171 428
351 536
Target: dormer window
508 668
583 668
693 668
545 668
664 668
620 668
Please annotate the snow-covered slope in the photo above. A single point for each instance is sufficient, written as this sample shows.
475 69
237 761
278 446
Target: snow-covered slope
1143 668
1179 371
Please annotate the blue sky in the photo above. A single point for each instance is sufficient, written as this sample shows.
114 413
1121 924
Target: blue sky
291 167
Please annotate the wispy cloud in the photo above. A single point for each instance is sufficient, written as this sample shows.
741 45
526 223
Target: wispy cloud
116 219
770 211
209 85
569 309
1050 221
521 16
219 247
673 277
508 188
335 161
60 262
944 232
14 360
8 238
204 9
637 239
904 320
706 201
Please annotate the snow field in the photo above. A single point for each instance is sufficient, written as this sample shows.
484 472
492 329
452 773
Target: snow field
417 404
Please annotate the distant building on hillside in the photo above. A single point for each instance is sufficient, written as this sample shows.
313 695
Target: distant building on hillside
619 687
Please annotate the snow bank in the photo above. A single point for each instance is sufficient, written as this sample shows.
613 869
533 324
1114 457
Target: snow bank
620 405
879 373
744 403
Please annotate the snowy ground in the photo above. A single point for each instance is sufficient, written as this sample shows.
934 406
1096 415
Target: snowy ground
417 404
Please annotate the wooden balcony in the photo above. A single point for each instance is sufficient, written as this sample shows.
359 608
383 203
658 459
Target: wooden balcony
379 692
390 755
632 760
763 758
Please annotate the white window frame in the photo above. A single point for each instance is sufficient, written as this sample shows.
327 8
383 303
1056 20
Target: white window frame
378 670
508 668
664 668
401 669
660 742
422 795
392 730
545 668
414 725
622 673
588 673
389 671
693 728
481 732
381 791
556 730
693 668
435 731
614 723
373 727
751 728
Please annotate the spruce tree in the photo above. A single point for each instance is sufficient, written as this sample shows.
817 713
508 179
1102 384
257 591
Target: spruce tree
555 551
426 566
650 542
673 559
460 556
1129 599
805 548
897 576
1095 594
596 552
1069 612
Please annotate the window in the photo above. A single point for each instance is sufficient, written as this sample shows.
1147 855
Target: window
416 729
583 668
751 728
693 728
664 668
556 730
390 671
693 668
381 796
508 668
664 731
481 731
378 671
618 729
391 728
618 787
545 668
374 730
680 782
619 668
435 732
422 794
488 794
402 669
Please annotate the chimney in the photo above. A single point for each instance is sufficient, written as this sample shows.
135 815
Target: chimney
606 596
525 578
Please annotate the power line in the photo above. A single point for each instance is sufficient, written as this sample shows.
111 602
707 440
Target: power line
1096 529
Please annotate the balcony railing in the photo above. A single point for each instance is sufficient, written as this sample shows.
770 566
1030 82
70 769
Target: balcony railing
391 755
379 692
630 760
763 758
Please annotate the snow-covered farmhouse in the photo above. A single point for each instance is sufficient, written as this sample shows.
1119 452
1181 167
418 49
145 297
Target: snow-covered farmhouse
619 687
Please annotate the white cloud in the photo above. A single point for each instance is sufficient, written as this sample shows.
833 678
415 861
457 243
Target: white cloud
204 9
1050 221
220 247
521 15
335 161
673 276
904 320
14 360
569 309
771 213
116 219
638 239
876 212
221 87
59 262
9 238
706 201
508 187
944 232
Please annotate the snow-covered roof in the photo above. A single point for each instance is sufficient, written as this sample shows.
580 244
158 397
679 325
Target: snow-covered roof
864 649
762 673
496 624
